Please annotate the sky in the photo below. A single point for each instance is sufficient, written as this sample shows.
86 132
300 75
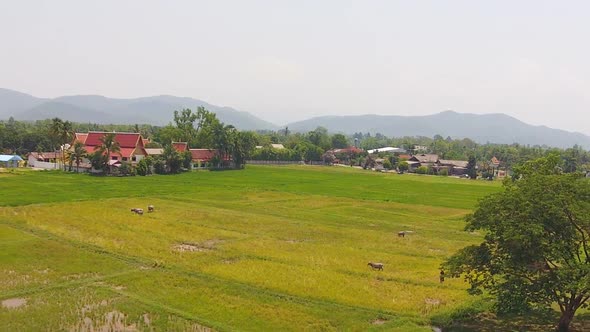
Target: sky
285 61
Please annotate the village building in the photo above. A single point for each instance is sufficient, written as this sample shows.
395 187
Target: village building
154 152
180 146
45 160
201 158
131 146
418 160
387 149
10 161
272 146
453 167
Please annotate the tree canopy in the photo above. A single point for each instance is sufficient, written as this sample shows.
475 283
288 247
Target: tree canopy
536 249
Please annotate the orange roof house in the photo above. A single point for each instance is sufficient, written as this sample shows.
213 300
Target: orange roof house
131 145
495 162
81 137
201 157
180 146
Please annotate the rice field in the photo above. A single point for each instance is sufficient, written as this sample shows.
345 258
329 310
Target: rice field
266 248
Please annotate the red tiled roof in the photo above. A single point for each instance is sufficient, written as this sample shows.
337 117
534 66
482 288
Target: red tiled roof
90 149
129 143
180 146
125 152
404 156
126 140
81 137
145 141
204 154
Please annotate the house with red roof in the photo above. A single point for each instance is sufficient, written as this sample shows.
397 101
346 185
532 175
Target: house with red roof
180 146
202 157
131 145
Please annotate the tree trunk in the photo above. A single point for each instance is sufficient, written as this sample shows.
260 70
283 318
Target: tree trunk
565 320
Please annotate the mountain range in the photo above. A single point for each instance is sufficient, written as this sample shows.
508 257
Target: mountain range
158 110
482 128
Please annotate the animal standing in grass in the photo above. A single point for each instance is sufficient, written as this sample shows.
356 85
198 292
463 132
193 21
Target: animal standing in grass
401 234
376 266
150 208
137 211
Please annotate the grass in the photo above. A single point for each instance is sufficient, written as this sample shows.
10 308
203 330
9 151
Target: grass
275 248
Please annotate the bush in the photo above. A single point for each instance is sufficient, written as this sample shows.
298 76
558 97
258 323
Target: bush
159 166
403 166
422 170
143 167
443 172
126 169
387 164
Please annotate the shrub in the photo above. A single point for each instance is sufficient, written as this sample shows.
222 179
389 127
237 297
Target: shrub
422 170
387 164
126 169
443 172
403 166
159 166
143 167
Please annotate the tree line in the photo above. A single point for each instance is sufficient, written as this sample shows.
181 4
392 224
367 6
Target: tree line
202 129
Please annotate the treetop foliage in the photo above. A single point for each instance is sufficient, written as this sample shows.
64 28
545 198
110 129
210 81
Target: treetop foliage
536 249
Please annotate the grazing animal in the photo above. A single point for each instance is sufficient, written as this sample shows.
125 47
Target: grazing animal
401 234
133 210
139 211
150 208
376 266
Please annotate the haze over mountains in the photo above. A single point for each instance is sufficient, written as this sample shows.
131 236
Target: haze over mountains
158 110
482 128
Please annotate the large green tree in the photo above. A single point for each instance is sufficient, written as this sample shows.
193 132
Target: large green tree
536 250
339 141
244 144
185 122
172 159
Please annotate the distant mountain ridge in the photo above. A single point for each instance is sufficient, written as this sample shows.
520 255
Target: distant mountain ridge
156 110
492 128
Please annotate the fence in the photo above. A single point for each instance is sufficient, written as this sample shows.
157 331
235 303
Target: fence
46 165
283 162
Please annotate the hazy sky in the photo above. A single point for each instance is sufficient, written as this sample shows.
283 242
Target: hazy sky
289 60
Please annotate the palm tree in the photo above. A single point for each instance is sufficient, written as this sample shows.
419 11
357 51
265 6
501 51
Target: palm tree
109 145
78 153
63 132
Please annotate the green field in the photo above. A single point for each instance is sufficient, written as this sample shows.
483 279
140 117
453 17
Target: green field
267 248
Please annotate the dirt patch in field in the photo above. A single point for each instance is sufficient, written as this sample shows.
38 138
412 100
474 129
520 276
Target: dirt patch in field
13 303
292 241
146 319
432 301
184 247
204 246
110 321
231 260
379 321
